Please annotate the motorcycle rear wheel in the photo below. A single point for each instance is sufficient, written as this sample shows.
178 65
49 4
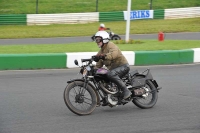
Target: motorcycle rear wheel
116 37
150 100
80 100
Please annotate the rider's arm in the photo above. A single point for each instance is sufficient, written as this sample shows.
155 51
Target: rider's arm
99 64
113 51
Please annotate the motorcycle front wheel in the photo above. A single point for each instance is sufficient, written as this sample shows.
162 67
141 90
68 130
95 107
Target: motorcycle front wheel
149 99
80 100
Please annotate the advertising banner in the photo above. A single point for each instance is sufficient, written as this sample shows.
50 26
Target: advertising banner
139 14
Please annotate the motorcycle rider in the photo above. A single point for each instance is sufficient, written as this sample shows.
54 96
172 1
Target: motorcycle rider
102 27
111 56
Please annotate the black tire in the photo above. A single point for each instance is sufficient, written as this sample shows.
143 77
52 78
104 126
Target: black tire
80 104
116 37
153 97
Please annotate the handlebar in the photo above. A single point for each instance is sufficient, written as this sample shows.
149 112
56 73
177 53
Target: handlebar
89 60
84 60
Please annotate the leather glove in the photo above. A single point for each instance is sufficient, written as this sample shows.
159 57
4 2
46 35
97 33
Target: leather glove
95 58
102 57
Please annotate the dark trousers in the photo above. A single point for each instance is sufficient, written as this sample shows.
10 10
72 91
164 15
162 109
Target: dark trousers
116 74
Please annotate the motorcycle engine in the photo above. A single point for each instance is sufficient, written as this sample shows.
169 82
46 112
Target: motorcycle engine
112 100
109 88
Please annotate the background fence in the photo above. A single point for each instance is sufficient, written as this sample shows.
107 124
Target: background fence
83 6
75 18
182 13
13 19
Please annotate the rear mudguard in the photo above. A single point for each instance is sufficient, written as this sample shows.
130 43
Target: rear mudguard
156 85
74 80
140 80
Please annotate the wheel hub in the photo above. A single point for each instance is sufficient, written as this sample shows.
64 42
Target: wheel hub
147 92
79 98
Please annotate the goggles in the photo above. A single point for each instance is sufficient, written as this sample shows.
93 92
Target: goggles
98 40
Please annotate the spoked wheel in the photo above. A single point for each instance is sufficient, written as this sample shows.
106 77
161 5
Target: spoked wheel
149 99
80 100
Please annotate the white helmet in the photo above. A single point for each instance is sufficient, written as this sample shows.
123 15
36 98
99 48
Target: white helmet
102 25
104 35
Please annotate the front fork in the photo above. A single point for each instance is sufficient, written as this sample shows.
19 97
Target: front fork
82 91
86 82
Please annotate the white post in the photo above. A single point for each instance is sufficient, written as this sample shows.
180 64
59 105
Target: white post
128 21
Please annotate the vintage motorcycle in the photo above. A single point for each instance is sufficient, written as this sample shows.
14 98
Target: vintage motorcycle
112 35
83 95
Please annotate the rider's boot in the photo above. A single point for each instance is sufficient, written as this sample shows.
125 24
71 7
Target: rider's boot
127 93
105 103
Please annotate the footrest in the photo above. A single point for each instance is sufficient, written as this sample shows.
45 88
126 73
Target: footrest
159 88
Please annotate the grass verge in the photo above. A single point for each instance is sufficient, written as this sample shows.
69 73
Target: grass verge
71 30
144 45
74 6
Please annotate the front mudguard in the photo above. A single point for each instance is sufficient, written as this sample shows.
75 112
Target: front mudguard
97 94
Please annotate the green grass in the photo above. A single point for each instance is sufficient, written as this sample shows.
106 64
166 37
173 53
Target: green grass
74 6
145 45
71 30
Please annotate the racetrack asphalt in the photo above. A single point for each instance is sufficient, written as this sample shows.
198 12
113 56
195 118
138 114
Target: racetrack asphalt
65 40
31 101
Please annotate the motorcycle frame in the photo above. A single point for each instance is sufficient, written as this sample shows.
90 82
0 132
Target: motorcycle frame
100 93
